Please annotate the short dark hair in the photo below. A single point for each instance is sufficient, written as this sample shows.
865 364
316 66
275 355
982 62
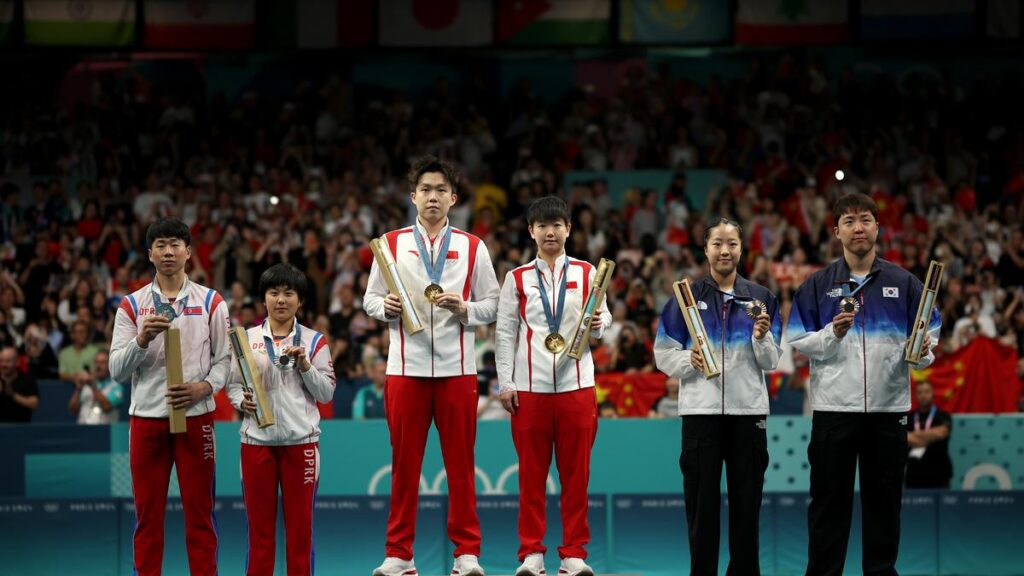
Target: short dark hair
722 221
853 203
284 276
547 209
431 163
168 228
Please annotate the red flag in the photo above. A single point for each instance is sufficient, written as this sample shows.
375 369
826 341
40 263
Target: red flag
980 377
633 394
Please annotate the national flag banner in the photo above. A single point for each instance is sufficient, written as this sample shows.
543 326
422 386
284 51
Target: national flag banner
79 22
199 24
317 24
979 377
6 21
674 21
909 19
792 22
1004 19
633 394
436 23
554 22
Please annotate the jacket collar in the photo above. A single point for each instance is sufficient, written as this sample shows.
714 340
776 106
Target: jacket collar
741 288
843 273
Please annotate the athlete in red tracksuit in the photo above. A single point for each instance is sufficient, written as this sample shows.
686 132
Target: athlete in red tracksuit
550 395
137 355
295 368
431 375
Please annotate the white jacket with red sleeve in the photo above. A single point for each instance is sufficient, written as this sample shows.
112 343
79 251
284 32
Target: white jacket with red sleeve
293 393
446 346
203 322
523 362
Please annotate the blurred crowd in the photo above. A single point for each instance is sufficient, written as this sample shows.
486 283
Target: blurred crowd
310 177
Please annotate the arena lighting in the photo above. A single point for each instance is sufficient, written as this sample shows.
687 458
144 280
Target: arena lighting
274 200
840 175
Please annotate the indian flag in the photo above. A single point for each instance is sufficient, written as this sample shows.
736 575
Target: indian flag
200 24
792 22
79 22
554 22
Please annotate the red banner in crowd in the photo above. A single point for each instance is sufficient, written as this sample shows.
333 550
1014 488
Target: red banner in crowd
980 377
792 274
633 394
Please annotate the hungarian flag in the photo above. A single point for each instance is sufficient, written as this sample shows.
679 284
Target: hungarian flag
792 22
79 22
888 20
980 377
6 20
553 22
317 24
633 394
200 24
436 23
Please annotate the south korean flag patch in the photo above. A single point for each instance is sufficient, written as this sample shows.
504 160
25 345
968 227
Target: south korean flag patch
890 292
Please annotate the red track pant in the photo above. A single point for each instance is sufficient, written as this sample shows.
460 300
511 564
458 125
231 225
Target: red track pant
296 469
152 450
411 404
567 423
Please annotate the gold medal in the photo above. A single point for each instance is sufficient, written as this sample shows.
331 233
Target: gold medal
849 305
555 343
432 292
755 308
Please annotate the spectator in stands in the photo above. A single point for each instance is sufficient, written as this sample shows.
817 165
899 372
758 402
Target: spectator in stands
607 409
97 396
42 361
19 395
668 405
928 429
76 359
369 400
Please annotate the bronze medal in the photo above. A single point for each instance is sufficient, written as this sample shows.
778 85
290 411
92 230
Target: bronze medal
432 292
555 343
755 308
849 305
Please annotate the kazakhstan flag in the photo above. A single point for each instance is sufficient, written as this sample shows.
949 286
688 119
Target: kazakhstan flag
685 22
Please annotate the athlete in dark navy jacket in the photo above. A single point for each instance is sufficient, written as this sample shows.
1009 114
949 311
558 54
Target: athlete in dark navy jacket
853 319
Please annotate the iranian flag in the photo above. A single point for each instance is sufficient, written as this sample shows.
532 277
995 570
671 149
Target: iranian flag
78 22
435 23
792 22
6 20
200 24
554 22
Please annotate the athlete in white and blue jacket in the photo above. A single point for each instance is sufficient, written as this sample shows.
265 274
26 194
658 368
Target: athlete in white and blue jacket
724 417
853 319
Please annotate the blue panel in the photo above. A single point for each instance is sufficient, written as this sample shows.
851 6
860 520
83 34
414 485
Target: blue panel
59 537
17 440
981 533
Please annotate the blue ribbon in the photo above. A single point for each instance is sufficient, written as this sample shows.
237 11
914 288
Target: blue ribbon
554 321
269 342
434 270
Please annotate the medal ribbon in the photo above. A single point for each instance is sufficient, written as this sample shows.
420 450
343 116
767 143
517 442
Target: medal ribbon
269 342
434 269
156 297
554 321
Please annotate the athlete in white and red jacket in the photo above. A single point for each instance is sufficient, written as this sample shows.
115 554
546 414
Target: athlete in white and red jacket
550 395
295 368
137 355
431 375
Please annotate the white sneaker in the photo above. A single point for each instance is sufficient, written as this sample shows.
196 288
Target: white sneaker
533 565
467 565
575 567
395 567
